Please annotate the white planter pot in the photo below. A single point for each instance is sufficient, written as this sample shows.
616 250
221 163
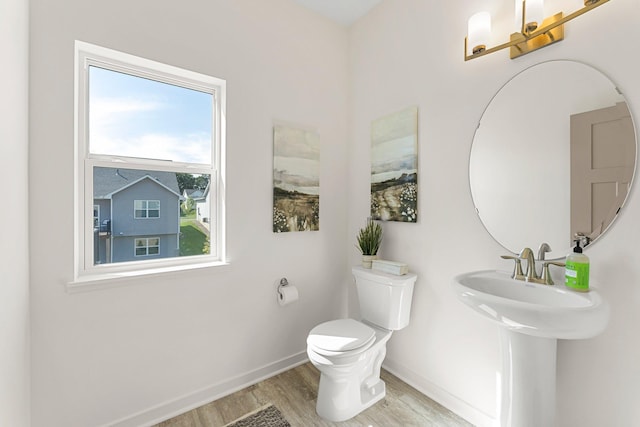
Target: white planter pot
366 260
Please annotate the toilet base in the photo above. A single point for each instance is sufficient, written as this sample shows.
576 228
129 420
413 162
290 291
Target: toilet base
336 400
350 383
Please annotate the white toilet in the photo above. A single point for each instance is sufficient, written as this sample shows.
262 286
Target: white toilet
349 353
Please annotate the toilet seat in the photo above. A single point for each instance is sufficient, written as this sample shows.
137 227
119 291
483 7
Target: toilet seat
341 337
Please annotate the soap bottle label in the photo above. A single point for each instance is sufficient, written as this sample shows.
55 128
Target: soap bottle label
577 275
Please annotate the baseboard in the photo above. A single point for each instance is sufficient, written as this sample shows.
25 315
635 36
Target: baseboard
170 409
470 413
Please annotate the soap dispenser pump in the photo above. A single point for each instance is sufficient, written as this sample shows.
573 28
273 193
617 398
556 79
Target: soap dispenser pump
577 269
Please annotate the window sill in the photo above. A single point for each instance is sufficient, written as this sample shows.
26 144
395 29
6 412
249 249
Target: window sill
91 282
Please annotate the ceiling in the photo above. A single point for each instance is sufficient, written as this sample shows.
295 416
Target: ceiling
344 12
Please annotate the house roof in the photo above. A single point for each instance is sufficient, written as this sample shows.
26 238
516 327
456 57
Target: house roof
193 193
107 181
204 192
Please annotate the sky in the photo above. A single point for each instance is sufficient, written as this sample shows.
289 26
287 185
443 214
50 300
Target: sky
136 117
394 145
296 160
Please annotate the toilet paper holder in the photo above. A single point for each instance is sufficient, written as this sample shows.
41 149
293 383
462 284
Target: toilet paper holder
283 282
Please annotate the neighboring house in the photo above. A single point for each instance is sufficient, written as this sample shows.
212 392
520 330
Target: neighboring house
189 196
203 206
192 193
136 215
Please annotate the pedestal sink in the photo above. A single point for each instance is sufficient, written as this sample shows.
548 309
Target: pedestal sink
531 318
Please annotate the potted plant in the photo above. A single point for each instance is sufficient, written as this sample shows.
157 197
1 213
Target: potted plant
369 239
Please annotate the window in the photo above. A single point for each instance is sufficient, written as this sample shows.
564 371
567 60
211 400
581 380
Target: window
147 246
146 209
149 137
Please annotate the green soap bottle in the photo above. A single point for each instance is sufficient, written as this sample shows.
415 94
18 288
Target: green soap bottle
576 273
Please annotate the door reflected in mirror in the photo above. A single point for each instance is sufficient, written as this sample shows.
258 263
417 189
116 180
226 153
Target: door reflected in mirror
554 155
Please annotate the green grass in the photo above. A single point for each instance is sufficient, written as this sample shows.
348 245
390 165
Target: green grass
192 240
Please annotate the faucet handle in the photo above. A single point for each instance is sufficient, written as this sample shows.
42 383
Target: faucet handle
546 276
517 268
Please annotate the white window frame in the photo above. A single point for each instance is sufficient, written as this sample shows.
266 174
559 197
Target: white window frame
146 201
146 246
85 272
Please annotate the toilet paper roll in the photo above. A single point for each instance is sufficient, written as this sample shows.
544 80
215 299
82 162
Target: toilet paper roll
287 295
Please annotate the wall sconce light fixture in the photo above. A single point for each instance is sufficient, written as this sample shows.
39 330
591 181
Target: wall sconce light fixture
535 31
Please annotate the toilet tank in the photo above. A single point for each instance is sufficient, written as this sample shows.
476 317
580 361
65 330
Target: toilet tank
385 299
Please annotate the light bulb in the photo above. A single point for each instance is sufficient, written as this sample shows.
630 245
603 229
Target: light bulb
518 15
479 31
534 14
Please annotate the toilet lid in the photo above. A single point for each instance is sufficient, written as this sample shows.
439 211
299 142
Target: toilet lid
341 335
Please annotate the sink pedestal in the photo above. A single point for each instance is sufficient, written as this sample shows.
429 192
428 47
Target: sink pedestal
528 381
531 319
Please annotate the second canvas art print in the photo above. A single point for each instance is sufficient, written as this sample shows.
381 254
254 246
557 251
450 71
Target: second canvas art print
394 167
296 179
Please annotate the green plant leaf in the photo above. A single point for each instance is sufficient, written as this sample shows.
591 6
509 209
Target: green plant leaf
369 238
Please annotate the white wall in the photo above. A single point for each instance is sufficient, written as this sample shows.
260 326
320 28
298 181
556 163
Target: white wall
411 53
107 355
14 255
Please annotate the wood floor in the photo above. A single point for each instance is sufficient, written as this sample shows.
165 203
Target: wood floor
294 393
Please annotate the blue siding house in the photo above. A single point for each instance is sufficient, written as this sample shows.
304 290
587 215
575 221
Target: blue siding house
136 215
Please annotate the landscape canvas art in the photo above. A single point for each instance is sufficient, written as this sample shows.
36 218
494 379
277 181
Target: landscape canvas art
296 179
394 167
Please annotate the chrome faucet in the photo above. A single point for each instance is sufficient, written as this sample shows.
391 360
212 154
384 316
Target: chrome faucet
531 275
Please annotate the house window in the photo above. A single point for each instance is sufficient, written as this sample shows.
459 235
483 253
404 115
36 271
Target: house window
147 135
147 246
146 209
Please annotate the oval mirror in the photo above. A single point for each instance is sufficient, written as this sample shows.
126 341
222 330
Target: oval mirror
553 156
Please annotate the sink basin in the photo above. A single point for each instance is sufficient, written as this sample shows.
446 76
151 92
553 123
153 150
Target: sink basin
533 309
